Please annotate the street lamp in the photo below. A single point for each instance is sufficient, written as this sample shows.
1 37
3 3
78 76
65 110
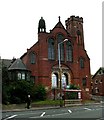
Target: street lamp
60 70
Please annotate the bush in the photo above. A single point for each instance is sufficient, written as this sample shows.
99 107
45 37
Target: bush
5 95
18 91
72 86
72 95
39 92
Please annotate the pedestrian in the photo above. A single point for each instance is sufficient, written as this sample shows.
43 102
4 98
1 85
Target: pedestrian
28 101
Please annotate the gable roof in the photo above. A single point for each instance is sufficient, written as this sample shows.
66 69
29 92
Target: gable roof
28 49
100 69
17 65
59 25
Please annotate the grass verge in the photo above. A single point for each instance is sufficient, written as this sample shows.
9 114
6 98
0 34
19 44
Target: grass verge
39 104
33 104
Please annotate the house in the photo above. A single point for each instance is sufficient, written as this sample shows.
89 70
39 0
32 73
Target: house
97 84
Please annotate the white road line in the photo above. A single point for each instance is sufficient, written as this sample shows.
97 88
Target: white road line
42 114
10 117
69 111
52 115
87 108
100 119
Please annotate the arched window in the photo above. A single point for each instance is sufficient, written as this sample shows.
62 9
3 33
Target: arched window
69 51
54 80
60 39
64 80
81 61
32 58
51 50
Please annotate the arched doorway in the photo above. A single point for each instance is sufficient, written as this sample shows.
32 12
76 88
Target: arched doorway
65 80
54 85
54 80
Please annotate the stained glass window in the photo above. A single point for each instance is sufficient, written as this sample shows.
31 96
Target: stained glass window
51 50
32 58
81 63
60 38
69 51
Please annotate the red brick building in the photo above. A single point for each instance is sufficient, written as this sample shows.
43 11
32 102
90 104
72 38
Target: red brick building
98 82
42 58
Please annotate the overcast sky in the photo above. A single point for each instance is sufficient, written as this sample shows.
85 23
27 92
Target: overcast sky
19 24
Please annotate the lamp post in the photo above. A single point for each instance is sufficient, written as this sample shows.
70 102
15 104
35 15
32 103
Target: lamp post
60 70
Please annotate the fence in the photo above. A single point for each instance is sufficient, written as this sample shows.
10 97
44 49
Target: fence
72 97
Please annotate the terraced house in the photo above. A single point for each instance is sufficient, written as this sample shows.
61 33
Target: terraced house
42 59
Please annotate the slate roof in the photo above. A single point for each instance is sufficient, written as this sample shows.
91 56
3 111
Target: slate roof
101 68
6 62
17 65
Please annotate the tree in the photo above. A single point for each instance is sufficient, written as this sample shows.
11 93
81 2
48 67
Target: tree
5 76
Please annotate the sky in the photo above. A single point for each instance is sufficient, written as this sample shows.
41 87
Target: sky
19 24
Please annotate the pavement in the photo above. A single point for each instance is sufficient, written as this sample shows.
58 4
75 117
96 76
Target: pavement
31 108
49 107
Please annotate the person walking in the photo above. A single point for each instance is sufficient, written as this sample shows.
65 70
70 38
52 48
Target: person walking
28 101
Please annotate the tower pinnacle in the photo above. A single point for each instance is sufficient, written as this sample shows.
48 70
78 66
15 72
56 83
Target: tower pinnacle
41 25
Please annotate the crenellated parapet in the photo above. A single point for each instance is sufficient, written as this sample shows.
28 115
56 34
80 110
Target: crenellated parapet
75 18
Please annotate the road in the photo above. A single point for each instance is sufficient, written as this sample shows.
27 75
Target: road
95 112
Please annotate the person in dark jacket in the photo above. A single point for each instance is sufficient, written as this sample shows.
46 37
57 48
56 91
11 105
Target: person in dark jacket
28 101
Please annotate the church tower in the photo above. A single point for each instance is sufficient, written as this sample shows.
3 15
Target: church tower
74 26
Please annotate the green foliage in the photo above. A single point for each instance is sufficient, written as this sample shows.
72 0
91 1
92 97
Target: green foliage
5 76
39 92
73 86
20 90
5 95
17 92
46 102
72 95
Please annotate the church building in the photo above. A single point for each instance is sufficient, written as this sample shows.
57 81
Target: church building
45 58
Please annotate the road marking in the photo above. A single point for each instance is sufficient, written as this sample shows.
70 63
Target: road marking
100 119
69 111
52 115
10 117
87 109
42 114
